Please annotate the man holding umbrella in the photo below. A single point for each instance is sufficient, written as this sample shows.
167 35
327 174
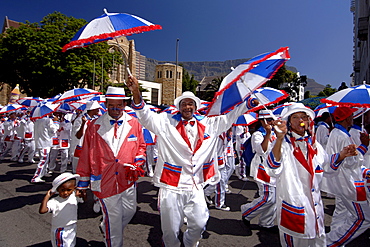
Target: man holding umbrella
187 161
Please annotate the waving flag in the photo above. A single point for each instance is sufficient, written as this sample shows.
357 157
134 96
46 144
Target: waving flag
246 78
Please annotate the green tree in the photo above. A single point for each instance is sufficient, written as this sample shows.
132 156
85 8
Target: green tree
282 76
31 56
188 81
327 91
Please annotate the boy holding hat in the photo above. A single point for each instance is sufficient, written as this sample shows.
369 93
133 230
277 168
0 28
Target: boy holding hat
112 153
346 181
297 162
64 209
265 204
187 161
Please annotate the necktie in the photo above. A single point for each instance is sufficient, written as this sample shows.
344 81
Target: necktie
185 122
116 124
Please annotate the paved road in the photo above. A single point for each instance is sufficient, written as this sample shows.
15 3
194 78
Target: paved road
21 225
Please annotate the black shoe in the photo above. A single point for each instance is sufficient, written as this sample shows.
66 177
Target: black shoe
273 229
246 222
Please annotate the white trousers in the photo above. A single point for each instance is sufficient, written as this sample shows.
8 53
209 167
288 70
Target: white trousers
63 156
173 207
117 210
353 218
8 147
43 163
64 236
265 206
219 188
290 241
74 164
29 147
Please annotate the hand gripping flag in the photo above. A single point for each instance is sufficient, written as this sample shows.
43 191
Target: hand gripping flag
246 78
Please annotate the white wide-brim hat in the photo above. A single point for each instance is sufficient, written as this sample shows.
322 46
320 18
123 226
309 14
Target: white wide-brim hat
92 105
187 95
296 107
63 178
116 93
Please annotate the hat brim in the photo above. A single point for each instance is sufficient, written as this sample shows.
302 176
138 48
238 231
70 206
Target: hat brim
55 187
195 98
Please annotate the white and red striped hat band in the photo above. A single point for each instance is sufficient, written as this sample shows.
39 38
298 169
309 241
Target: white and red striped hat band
116 93
265 114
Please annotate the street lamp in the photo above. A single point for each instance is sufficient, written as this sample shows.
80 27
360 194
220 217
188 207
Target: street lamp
177 48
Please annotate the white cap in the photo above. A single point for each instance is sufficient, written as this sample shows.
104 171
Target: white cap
265 114
187 95
91 105
296 107
116 93
64 177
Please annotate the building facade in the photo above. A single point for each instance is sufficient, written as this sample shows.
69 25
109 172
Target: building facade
171 84
361 55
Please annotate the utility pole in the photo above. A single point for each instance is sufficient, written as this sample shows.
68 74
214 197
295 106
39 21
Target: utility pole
177 50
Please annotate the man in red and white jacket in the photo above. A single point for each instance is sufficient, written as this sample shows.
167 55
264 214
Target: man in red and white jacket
112 154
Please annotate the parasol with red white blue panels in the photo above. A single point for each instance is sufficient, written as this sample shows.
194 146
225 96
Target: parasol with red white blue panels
109 26
245 78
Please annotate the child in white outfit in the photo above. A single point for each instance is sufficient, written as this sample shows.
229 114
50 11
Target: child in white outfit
64 209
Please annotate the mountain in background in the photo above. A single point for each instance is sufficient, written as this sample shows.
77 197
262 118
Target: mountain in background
218 68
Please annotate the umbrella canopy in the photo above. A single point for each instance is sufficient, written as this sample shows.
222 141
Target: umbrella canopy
43 109
246 119
357 96
12 107
279 109
66 108
29 101
109 26
246 78
130 111
268 96
77 94
320 109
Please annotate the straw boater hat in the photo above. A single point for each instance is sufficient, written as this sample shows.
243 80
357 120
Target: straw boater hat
64 177
116 93
187 95
265 114
91 105
294 108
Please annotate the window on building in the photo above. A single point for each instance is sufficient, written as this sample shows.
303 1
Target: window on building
159 74
154 96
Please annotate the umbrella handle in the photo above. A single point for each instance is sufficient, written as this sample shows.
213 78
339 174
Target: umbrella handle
128 71
275 127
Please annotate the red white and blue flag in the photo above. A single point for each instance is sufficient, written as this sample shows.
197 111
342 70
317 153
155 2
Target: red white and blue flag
246 78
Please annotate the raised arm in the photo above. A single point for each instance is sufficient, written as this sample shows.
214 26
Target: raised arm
133 85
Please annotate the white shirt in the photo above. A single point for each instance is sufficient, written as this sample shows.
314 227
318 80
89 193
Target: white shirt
64 210
192 132
115 141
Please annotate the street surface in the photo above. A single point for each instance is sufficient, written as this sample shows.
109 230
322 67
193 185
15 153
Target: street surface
22 225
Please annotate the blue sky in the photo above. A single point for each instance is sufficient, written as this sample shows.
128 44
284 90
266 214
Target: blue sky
319 33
